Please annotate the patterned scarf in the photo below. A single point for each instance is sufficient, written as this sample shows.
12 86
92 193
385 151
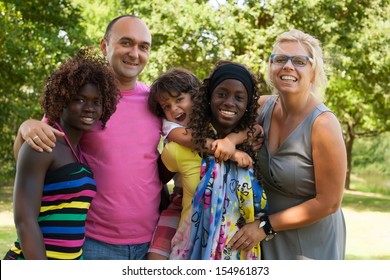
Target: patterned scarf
225 199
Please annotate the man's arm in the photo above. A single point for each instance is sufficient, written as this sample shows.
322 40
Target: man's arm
38 135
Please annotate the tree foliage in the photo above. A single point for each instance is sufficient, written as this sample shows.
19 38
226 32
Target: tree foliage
195 34
35 36
372 155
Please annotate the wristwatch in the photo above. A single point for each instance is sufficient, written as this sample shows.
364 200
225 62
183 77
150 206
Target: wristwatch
266 226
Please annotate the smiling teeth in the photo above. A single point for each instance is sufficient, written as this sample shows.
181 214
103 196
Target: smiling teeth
88 120
228 112
129 62
289 78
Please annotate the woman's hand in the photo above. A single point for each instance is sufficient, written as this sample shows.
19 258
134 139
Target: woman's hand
247 237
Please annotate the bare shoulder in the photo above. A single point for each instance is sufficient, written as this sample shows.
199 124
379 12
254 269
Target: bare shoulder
263 99
30 158
326 119
327 126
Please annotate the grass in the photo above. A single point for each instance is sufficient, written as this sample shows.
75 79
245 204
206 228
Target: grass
7 230
6 198
367 217
7 238
366 209
366 202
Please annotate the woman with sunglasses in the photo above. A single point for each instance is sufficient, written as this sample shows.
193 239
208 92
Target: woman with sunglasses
303 158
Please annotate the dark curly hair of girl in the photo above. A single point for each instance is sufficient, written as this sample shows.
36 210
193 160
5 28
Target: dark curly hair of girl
200 120
86 67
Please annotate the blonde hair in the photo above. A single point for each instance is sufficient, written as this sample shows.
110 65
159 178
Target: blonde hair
313 46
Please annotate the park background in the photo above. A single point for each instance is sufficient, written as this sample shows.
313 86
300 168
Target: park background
37 35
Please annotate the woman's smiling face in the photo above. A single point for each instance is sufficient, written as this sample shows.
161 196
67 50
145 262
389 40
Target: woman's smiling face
288 78
228 103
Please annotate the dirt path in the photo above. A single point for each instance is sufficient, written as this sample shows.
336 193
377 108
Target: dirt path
6 218
367 232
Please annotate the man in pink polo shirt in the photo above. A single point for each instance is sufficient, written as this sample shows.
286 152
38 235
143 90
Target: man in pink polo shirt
123 156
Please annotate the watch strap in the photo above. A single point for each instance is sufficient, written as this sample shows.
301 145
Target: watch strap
267 227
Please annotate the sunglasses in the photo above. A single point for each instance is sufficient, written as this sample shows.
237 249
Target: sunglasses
296 60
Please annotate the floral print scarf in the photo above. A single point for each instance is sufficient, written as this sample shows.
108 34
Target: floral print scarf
225 199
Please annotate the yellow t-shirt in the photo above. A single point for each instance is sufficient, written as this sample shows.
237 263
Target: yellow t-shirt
186 162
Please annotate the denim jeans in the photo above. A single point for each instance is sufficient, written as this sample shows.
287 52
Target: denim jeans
97 250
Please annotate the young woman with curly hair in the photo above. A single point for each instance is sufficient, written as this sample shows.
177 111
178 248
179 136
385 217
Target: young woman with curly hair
170 98
228 195
53 191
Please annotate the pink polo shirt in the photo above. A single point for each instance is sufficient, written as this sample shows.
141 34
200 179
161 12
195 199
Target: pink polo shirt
123 158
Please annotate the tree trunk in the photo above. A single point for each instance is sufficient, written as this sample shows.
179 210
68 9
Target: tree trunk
349 138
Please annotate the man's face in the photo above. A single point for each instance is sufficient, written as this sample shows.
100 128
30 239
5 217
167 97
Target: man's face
127 49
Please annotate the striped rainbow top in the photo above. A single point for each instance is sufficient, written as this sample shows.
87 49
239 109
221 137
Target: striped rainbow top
66 198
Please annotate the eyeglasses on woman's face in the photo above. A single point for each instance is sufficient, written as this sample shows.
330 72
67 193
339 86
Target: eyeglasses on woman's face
296 60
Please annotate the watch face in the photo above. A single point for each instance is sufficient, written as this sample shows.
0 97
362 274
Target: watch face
262 223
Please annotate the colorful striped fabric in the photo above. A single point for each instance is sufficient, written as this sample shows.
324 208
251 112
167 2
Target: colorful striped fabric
66 197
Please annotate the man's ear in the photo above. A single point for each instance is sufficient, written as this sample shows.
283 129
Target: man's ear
103 46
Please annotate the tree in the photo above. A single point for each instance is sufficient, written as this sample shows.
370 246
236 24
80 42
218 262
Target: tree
359 90
195 34
36 36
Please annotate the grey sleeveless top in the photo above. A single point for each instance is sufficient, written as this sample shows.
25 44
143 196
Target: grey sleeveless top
288 180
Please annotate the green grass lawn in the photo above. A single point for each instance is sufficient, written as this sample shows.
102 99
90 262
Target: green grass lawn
7 238
7 230
366 202
6 198
367 217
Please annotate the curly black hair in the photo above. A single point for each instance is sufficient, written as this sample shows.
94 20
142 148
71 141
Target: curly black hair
86 67
200 119
173 82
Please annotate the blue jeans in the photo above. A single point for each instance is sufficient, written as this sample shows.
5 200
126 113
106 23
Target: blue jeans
97 250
